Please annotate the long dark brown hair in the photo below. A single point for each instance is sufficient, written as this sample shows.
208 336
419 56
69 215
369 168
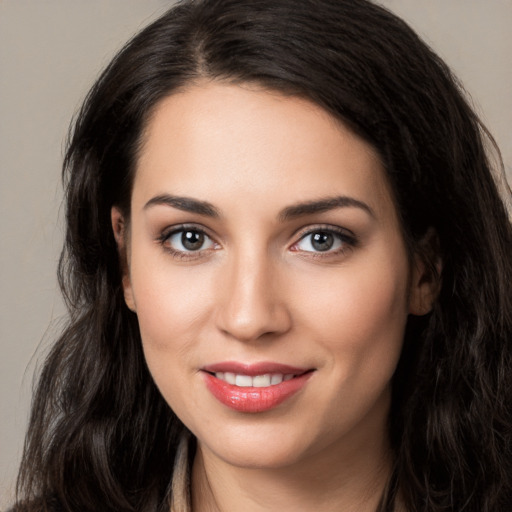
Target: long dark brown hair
101 438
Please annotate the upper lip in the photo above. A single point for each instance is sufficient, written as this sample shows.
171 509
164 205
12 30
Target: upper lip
253 369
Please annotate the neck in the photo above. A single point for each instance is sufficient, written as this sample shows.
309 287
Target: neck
339 478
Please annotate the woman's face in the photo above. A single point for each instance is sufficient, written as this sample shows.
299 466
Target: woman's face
267 268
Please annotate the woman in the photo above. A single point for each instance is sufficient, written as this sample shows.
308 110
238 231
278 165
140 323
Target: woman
287 270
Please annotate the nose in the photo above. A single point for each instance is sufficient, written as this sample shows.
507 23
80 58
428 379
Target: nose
253 306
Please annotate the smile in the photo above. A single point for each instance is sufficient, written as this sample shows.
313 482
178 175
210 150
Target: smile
259 381
254 388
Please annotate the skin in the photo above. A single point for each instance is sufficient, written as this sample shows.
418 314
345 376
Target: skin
258 290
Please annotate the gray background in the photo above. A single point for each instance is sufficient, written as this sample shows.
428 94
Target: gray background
50 53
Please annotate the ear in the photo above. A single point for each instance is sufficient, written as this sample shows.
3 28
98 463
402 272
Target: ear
119 228
426 275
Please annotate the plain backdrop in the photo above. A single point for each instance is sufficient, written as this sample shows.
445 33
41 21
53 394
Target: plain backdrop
50 53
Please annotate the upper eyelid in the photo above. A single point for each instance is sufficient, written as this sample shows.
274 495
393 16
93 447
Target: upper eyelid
170 230
307 230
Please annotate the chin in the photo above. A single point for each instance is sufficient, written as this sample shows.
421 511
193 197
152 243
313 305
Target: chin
260 459
259 447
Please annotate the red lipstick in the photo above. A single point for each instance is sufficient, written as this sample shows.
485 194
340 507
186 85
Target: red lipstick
250 398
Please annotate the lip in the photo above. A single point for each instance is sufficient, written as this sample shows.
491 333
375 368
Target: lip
254 399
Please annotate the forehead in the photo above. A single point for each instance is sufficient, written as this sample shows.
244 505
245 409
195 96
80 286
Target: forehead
219 142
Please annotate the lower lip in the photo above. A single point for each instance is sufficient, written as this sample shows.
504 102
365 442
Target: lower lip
251 399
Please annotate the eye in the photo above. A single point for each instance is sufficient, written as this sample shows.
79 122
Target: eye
324 241
187 240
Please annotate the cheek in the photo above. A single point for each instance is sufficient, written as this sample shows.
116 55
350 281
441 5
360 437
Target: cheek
376 303
359 316
172 305
166 295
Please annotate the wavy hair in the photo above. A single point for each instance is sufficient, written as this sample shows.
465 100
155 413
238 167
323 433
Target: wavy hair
100 435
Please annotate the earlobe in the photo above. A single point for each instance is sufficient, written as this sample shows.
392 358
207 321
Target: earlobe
120 235
426 275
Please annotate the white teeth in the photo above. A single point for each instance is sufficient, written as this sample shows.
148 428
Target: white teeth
276 379
243 381
258 381
261 381
229 377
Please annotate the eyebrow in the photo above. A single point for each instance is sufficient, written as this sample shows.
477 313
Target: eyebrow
187 204
323 205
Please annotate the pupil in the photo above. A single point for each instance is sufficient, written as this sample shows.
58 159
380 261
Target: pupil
192 240
322 241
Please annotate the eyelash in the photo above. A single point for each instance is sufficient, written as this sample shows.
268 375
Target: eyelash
347 240
166 235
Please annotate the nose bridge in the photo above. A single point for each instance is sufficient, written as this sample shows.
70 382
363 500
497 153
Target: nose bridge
252 305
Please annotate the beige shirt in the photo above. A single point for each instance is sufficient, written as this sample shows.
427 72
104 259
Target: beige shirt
180 495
